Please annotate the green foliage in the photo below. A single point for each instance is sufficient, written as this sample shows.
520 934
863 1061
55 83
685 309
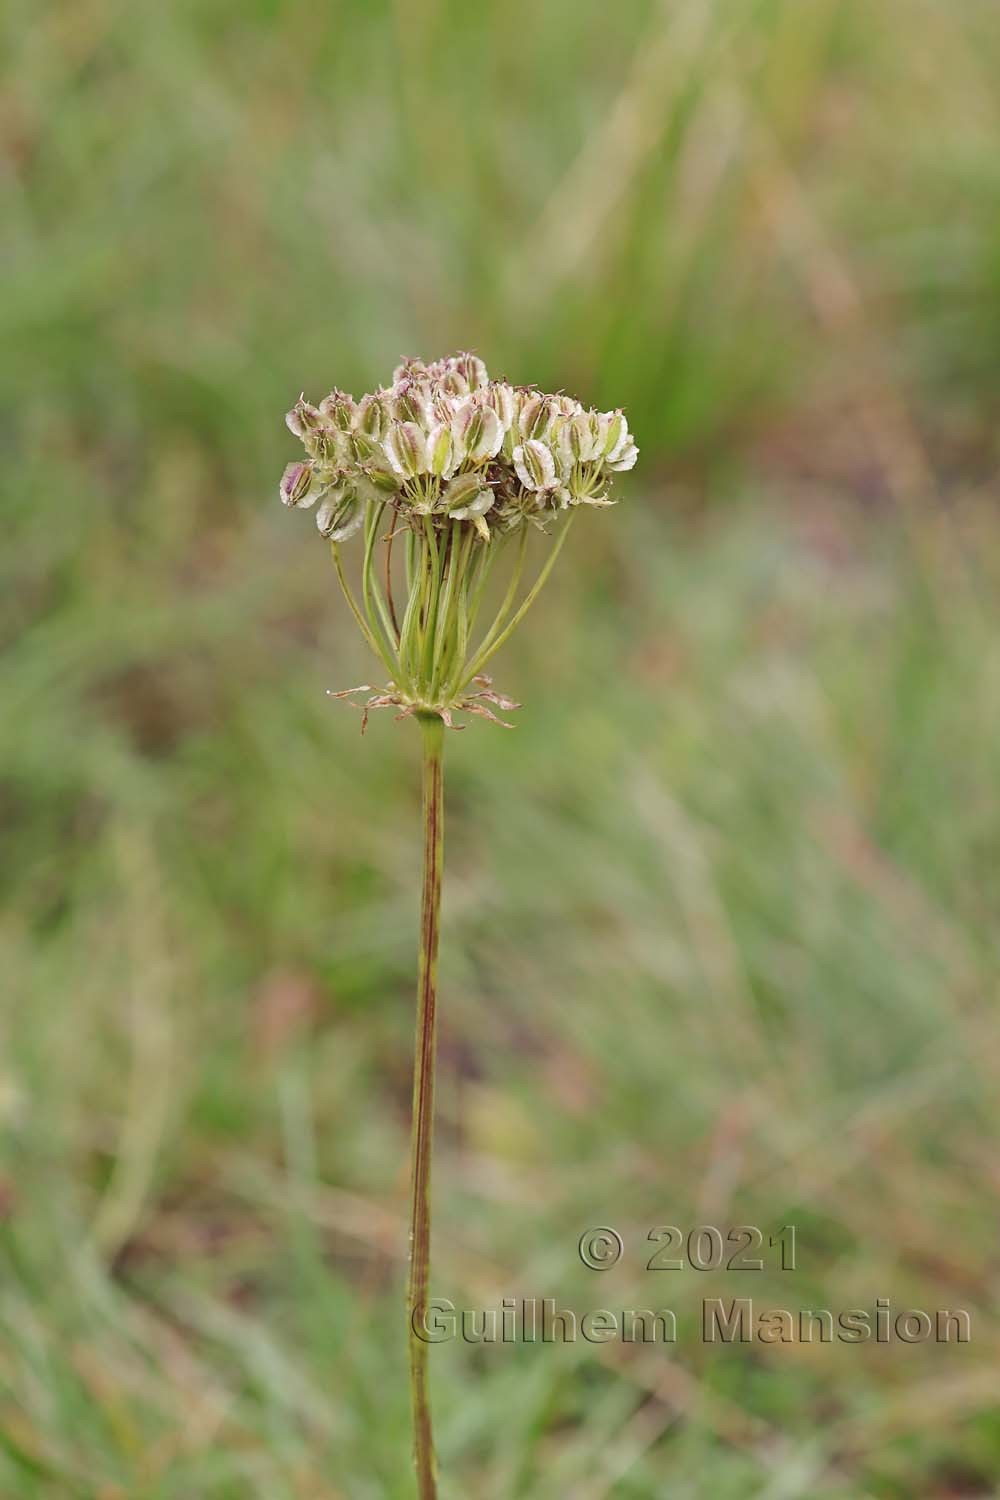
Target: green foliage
720 918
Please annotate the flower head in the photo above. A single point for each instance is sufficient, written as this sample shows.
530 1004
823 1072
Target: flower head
461 463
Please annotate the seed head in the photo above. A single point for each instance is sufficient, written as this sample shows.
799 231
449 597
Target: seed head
441 453
303 419
446 442
370 417
461 462
503 399
579 438
297 485
406 449
477 430
626 458
340 515
409 402
339 410
613 430
537 415
535 465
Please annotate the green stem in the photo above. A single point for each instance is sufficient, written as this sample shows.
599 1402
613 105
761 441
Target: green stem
410 640
422 1129
410 556
493 643
473 588
505 607
371 596
436 554
349 596
450 607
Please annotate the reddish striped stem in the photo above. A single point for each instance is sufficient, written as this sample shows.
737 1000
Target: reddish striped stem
423 1103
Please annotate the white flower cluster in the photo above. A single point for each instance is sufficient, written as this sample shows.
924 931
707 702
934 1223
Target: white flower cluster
445 442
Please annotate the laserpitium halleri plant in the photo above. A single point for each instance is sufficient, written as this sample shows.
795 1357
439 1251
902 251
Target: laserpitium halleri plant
445 474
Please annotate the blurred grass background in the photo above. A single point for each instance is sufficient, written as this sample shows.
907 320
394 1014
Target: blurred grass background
720 937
